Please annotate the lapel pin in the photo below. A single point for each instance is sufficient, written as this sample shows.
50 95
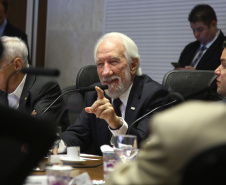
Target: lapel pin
25 98
132 108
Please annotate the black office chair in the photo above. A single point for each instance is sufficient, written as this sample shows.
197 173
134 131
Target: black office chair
74 100
192 84
87 76
24 141
207 168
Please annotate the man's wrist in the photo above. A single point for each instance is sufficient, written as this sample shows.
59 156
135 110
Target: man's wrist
117 127
120 125
122 130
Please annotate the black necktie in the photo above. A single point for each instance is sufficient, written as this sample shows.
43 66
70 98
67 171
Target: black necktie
116 104
194 63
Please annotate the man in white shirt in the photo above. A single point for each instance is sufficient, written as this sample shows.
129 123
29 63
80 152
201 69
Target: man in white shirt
28 93
205 52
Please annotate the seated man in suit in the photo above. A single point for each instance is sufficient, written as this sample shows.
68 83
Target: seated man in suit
118 60
7 29
28 93
205 52
178 134
221 74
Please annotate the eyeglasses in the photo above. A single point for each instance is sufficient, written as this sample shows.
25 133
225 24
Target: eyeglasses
7 64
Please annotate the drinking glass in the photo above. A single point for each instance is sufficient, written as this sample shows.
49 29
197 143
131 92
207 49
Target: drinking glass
125 147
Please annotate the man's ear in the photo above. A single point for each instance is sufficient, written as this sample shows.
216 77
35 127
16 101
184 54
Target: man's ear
214 23
18 64
134 66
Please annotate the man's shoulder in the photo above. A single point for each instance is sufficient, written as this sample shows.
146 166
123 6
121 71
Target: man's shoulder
147 80
147 84
221 35
40 82
217 44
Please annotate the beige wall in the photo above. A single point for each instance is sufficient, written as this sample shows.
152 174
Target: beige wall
73 27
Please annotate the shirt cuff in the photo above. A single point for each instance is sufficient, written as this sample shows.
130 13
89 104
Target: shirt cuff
122 130
62 147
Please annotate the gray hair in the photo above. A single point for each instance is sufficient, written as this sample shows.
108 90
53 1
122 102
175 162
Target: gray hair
14 47
130 46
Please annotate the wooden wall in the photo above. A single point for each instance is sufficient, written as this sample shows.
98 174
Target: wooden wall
17 13
17 16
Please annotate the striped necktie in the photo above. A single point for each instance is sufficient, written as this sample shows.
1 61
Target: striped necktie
195 62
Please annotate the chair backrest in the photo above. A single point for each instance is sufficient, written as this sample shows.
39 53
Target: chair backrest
206 168
24 141
74 100
189 82
87 76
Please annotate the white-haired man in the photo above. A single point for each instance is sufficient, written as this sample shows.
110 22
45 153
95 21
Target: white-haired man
117 60
28 93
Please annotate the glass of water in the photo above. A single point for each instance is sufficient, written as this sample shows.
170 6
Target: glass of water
125 147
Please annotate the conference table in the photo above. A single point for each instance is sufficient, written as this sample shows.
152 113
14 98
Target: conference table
93 165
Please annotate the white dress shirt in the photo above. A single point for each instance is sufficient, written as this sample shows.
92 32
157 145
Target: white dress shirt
14 97
123 129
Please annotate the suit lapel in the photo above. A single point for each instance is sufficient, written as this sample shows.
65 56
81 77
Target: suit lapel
193 50
102 127
25 95
211 50
133 101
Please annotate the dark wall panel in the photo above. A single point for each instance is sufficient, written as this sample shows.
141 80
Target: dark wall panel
17 13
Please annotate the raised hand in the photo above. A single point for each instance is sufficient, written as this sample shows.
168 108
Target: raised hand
103 109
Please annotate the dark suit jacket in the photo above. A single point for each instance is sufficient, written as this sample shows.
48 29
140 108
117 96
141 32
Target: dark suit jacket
38 93
145 95
211 58
12 31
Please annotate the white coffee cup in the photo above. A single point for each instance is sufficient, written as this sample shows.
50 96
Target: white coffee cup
73 152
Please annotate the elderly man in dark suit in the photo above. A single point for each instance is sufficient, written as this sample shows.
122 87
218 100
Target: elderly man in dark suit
205 52
118 61
28 93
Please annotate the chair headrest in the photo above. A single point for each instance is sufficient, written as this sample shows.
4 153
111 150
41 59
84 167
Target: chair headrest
87 76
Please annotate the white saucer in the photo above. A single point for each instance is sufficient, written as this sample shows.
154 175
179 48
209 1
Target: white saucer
68 160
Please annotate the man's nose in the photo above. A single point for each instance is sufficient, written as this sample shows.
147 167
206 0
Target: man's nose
217 71
107 70
196 34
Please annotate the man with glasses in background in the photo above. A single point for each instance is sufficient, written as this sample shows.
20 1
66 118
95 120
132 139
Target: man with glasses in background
28 93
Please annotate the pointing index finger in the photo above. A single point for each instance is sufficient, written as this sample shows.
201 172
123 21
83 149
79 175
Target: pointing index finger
100 93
